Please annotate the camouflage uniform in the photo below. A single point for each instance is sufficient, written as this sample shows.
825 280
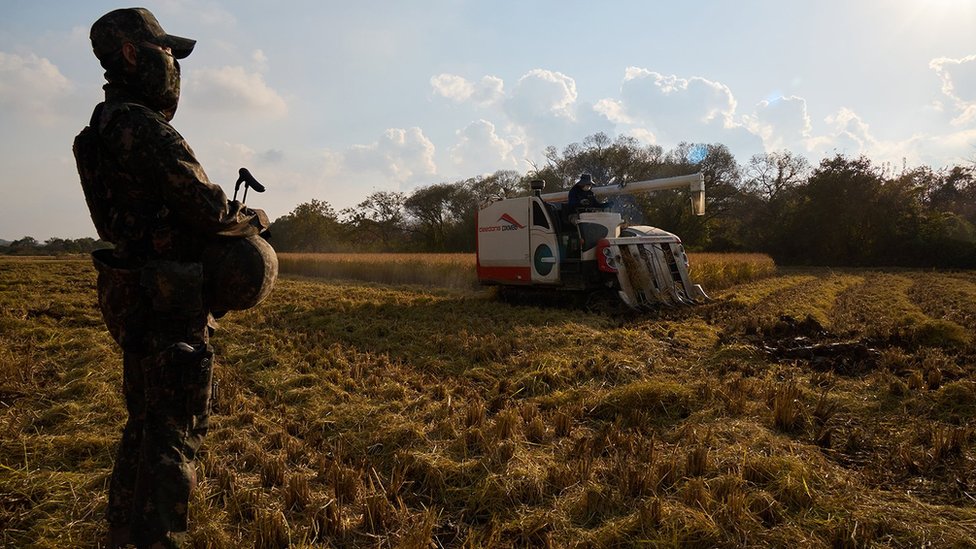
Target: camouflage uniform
150 197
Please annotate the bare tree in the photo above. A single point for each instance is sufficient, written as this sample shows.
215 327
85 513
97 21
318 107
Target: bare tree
769 174
501 184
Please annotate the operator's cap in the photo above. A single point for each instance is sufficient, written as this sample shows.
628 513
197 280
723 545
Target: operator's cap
585 179
134 25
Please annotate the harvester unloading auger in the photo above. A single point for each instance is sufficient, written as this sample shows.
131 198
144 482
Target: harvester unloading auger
533 243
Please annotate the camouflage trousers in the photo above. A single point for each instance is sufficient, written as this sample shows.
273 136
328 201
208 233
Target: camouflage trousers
168 397
167 374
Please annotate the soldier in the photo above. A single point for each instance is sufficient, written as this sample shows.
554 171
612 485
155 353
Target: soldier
149 196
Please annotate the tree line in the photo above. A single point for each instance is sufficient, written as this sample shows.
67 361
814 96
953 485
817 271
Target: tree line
843 211
29 245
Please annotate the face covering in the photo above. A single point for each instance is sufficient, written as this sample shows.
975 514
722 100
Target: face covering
157 80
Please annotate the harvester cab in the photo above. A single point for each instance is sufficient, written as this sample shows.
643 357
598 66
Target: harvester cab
534 243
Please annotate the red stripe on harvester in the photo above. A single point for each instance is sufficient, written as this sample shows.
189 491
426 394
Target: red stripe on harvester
508 274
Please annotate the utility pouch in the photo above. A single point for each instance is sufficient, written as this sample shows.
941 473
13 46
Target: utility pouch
182 381
121 300
175 287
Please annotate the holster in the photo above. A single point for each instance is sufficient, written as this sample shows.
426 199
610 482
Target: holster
181 382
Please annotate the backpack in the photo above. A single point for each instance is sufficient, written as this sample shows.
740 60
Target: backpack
87 149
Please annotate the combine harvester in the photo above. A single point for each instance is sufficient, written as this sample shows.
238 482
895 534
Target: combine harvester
531 244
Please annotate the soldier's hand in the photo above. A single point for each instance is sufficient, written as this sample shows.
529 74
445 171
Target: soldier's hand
260 219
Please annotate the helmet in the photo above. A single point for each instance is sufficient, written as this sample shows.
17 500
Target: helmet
238 273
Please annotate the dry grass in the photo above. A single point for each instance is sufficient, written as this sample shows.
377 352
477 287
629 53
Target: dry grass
442 270
712 271
718 271
756 292
894 305
813 299
363 416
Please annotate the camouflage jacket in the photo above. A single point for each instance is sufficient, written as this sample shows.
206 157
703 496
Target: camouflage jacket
161 203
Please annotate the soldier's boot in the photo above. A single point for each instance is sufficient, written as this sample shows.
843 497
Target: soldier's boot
118 537
177 418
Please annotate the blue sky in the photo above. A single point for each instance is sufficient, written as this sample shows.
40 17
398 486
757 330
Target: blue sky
334 100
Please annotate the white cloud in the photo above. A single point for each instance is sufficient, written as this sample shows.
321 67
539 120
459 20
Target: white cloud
401 155
32 86
539 110
957 148
958 77
644 135
849 129
847 133
260 60
481 150
538 94
544 108
460 90
668 109
658 95
782 123
541 94
237 153
489 90
234 89
613 110
240 154
453 87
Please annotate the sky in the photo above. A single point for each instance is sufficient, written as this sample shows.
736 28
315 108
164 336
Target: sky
331 100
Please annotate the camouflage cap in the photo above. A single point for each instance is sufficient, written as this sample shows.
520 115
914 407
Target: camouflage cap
134 25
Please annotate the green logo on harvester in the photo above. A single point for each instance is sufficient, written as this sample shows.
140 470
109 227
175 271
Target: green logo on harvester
544 260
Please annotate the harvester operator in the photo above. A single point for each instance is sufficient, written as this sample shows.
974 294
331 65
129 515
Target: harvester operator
581 196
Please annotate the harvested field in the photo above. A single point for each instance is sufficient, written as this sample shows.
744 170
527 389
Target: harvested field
812 408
